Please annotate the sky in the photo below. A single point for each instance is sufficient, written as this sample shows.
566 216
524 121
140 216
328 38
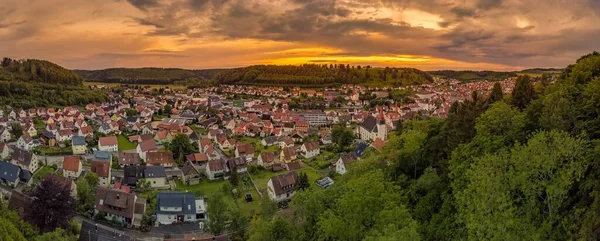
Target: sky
198 34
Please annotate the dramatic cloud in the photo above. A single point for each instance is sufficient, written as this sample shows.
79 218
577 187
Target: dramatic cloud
428 34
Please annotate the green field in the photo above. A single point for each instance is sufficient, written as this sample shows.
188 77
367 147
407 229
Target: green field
207 188
258 147
54 151
125 144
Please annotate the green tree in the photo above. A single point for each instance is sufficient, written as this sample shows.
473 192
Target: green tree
92 179
303 182
523 93
217 209
238 225
16 131
180 146
85 196
341 136
9 232
496 93
234 177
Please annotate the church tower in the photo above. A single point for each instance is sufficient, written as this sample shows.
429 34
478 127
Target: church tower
381 127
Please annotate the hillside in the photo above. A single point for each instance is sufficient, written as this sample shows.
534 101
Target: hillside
147 75
322 75
472 76
33 83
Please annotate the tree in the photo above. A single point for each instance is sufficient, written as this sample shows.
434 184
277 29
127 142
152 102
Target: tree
8 231
85 196
234 177
17 130
143 184
181 146
167 111
342 136
523 93
238 225
303 183
496 93
52 205
217 209
92 179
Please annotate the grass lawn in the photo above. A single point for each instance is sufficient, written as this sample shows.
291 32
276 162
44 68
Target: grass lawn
322 160
207 188
199 130
258 147
42 172
125 144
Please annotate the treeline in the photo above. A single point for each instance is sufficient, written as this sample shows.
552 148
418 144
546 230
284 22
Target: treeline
473 76
37 71
508 166
147 75
38 83
321 75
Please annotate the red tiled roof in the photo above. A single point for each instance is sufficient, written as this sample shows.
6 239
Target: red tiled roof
71 163
108 141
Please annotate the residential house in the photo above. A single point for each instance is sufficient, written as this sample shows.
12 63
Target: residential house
30 129
9 174
341 165
270 141
191 173
266 159
64 135
120 206
162 158
146 146
224 143
103 170
48 139
86 131
240 164
128 158
282 187
4 134
108 143
179 207
310 149
4 151
72 167
51 127
78 145
215 169
287 154
26 142
25 159
105 129
204 144
244 150
162 137
156 176
197 158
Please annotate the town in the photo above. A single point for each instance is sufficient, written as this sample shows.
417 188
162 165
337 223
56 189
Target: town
151 156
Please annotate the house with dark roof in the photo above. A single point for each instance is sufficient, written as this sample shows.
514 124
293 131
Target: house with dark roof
48 139
9 174
78 145
25 160
178 207
120 206
239 163
372 128
191 173
244 150
156 176
282 187
287 154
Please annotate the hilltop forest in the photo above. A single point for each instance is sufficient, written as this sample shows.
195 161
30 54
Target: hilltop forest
149 75
34 83
508 166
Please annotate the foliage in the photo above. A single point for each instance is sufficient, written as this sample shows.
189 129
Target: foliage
473 76
321 75
523 93
16 130
217 208
303 183
52 205
342 136
180 146
147 75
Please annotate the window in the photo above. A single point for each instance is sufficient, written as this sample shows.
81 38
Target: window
154 182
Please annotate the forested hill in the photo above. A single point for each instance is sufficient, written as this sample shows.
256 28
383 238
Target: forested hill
471 76
147 75
322 75
34 70
39 83
507 166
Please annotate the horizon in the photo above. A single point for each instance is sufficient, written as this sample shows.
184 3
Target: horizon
495 35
